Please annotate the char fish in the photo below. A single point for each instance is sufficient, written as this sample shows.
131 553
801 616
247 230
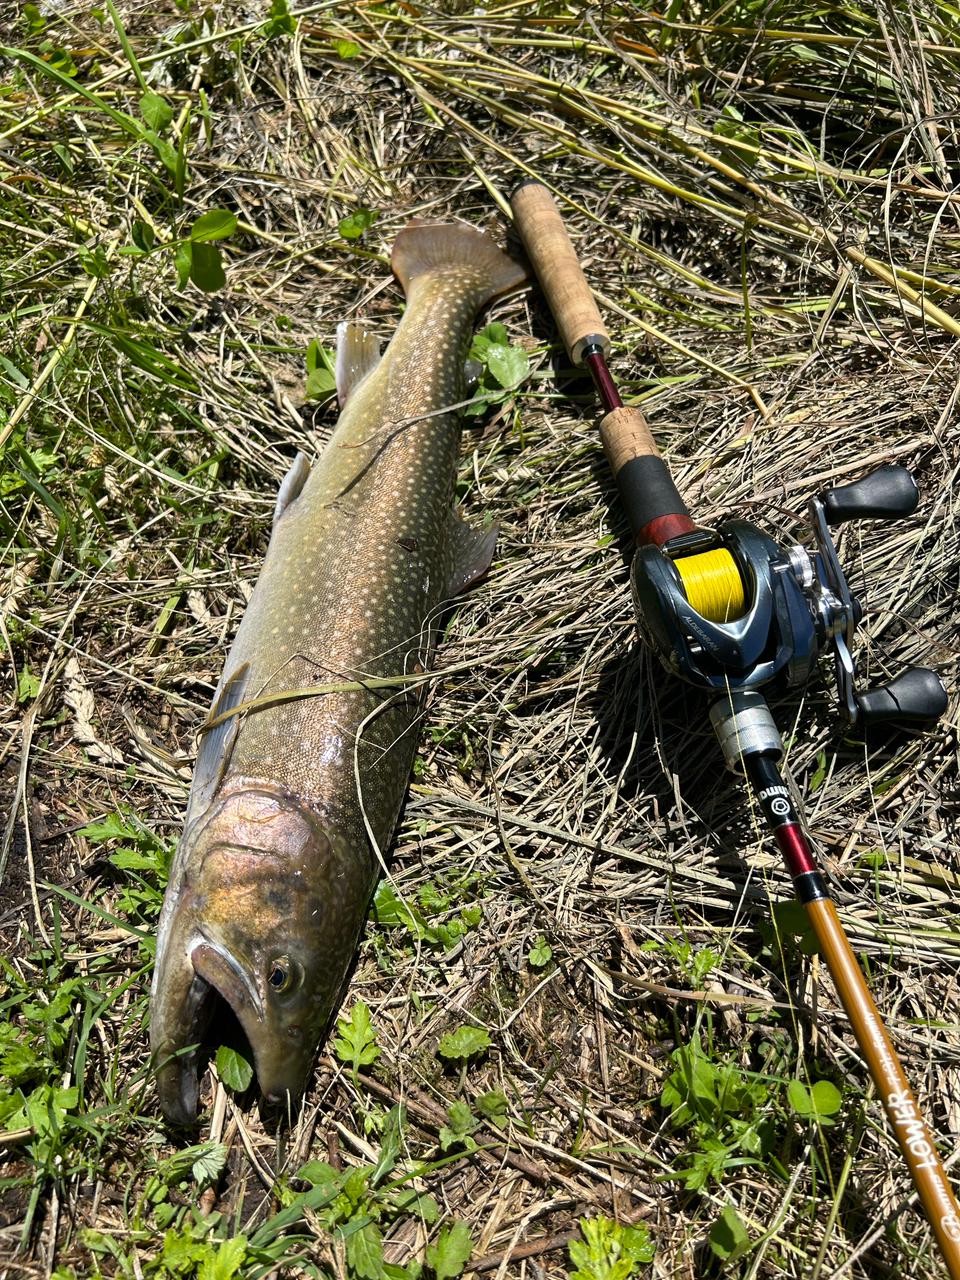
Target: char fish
294 796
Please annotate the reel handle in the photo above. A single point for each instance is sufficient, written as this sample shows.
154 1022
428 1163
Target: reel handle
888 493
915 696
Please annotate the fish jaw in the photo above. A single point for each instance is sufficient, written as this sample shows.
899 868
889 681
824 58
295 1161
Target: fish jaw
268 909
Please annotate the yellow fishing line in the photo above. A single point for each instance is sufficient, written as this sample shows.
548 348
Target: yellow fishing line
712 584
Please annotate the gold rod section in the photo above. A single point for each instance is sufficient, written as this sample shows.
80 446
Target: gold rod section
914 1137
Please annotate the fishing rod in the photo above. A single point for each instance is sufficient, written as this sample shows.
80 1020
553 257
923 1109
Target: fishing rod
728 610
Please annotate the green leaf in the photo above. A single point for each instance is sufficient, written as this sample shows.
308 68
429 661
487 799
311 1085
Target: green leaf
709 1163
827 1098
365 1252
234 1069
463 1043
28 685
281 23
143 236
391 1142
226 1262
165 153
318 357
346 48
461 1124
357 1038
64 156
493 1106
509 365
33 20
461 1118
180 1253
408 1200
94 264
817 1103
319 1174
493 333
214 225
353 227
207 271
210 1160
728 1236
816 780
59 58
113 827
540 953
183 260
20 1063
791 917
321 384
134 860
156 111
411 1271
452 1251
46 1108
608 1250
388 909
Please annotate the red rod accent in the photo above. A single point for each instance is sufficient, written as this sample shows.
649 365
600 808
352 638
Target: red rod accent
608 393
796 852
661 530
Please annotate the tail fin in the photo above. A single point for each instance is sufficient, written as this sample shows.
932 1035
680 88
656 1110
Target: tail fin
424 247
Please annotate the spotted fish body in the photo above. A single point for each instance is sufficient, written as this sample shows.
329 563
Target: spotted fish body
294 797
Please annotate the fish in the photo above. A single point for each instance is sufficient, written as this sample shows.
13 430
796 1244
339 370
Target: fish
305 757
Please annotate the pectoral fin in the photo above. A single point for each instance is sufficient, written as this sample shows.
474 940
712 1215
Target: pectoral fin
216 743
472 553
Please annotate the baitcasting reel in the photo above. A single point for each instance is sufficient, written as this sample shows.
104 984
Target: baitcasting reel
728 610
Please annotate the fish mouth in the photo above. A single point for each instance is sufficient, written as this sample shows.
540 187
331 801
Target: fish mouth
177 1055
216 979
279 1071
217 968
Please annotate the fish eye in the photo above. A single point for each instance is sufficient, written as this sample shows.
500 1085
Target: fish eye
283 975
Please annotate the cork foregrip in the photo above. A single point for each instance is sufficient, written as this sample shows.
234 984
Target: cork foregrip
625 435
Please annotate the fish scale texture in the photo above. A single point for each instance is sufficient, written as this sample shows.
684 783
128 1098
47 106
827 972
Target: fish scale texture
356 565
273 874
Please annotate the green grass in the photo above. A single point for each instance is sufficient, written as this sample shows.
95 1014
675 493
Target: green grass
584 996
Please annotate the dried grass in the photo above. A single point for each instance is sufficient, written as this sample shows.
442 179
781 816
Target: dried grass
784 309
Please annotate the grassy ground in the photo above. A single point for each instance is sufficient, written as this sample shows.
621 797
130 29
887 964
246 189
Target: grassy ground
763 199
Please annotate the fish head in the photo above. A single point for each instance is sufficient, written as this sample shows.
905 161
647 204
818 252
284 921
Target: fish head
259 918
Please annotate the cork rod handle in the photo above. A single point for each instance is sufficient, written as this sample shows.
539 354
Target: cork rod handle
558 270
653 506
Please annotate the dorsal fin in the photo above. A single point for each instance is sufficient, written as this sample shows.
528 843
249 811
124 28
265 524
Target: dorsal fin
358 353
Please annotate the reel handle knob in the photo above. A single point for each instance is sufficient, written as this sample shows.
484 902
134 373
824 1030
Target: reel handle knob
916 695
884 494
